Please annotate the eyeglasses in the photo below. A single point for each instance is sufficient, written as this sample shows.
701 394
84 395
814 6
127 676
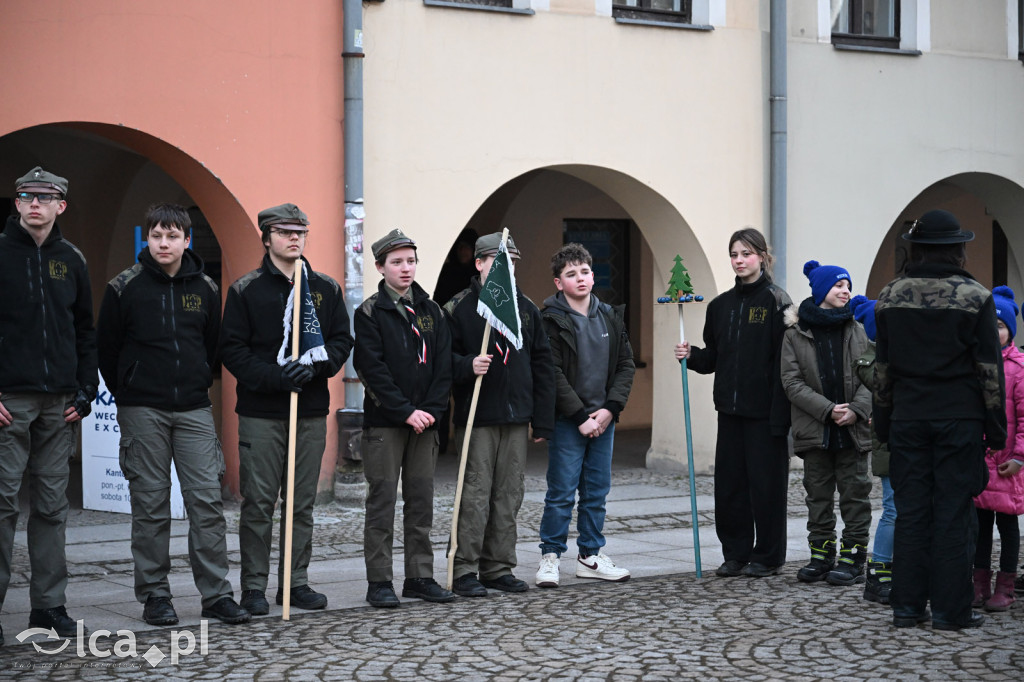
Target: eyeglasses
288 233
44 199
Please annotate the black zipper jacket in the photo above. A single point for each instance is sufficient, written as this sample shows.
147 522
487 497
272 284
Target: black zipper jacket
562 336
387 356
251 335
519 391
47 339
742 340
158 334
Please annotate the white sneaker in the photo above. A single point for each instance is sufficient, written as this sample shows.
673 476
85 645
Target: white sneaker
601 567
547 574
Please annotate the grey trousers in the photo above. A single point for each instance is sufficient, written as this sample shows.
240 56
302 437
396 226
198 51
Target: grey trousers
41 442
491 496
150 439
263 474
390 453
824 473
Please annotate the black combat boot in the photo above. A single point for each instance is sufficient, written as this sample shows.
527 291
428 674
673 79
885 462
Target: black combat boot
823 560
879 582
849 568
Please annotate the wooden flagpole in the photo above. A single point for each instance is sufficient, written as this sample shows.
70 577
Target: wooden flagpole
453 543
293 418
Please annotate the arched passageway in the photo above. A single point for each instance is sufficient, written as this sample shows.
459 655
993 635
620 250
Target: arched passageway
634 234
989 205
114 174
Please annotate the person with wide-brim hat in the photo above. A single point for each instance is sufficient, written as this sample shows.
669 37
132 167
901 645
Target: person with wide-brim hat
937 227
938 402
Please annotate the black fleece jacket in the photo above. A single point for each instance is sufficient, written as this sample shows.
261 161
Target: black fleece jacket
47 339
937 352
158 334
742 339
386 357
519 391
251 335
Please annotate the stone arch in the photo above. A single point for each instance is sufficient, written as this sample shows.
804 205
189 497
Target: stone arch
982 201
533 205
114 170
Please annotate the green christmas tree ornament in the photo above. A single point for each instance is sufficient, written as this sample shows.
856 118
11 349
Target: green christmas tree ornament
679 285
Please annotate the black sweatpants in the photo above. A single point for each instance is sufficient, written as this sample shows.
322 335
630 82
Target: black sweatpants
751 485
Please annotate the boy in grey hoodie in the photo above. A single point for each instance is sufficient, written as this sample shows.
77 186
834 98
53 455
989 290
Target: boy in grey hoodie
584 333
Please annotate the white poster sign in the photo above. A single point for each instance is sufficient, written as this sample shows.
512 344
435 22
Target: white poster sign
104 487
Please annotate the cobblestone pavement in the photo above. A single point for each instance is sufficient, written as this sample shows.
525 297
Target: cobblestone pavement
339 532
652 628
665 628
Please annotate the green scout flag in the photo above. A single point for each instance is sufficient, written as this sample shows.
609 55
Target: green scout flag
498 303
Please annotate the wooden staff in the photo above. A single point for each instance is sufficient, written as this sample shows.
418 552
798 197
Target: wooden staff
293 419
454 542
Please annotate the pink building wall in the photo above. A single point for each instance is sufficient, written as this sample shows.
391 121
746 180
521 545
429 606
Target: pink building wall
239 102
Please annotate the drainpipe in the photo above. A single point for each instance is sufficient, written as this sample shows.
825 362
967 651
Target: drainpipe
777 189
350 418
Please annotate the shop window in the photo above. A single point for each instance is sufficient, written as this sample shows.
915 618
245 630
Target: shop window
670 11
868 23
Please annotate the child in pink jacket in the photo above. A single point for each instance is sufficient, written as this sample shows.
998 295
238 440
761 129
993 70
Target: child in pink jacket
1003 499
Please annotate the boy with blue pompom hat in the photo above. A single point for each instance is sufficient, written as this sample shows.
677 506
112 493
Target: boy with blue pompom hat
830 409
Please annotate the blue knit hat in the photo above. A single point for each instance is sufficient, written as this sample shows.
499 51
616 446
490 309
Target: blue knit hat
1006 309
864 312
823 278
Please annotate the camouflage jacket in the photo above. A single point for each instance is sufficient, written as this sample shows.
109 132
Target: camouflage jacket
937 352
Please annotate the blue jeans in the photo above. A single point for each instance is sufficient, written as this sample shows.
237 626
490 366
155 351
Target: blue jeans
882 550
576 462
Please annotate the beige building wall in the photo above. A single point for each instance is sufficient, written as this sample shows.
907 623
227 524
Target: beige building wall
670 128
870 132
460 102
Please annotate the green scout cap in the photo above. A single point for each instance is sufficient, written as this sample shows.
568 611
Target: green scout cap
37 177
395 239
285 214
489 243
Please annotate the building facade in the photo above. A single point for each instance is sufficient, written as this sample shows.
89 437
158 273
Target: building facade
583 117
641 128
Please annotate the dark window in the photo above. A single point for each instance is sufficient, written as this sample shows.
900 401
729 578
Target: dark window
1000 260
870 23
1020 30
608 243
671 11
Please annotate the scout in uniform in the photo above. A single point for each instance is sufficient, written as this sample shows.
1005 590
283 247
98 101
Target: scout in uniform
252 335
403 357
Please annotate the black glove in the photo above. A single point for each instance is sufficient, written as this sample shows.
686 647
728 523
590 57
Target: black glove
82 403
295 375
